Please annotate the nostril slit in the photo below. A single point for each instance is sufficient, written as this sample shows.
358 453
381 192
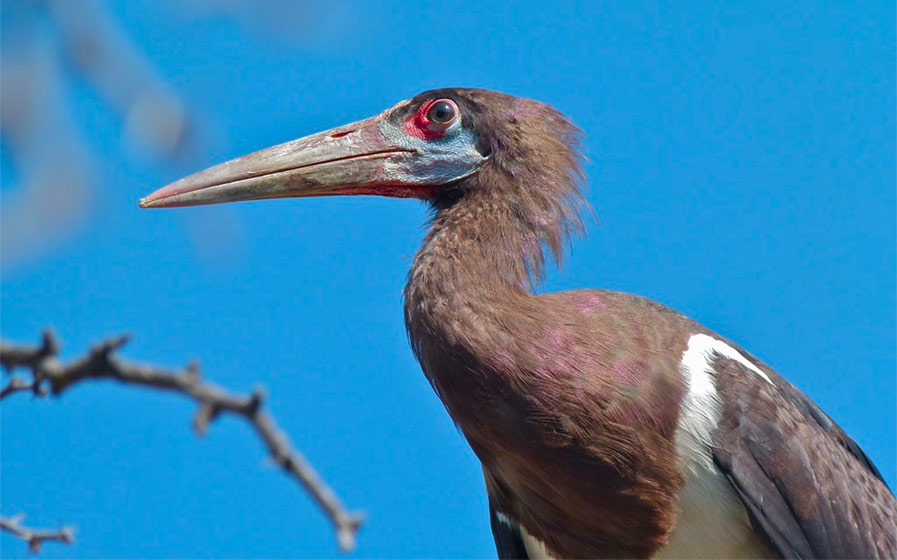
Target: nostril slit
341 134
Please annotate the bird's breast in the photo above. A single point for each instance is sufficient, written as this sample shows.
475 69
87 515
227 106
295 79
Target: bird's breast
712 522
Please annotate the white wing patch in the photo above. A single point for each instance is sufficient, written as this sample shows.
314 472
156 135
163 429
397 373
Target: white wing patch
701 406
712 521
535 549
700 350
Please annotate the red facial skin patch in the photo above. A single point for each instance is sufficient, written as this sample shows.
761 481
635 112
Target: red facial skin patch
419 126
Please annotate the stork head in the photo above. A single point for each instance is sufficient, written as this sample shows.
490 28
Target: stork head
430 147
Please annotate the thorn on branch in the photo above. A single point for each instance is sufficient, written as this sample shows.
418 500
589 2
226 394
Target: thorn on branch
204 417
106 348
255 401
347 529
191 372
49 344
101 354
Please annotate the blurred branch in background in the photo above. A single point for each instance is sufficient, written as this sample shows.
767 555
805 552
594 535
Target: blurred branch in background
48 375
47 46
41 140
49 49
101 52
35 537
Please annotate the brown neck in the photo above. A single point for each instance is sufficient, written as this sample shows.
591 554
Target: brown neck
470 274
473 246
469 288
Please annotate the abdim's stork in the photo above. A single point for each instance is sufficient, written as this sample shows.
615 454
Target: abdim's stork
607 425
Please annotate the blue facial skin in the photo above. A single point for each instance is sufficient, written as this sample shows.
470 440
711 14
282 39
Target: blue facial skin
436 161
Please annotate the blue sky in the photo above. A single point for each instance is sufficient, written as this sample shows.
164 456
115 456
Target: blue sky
741 163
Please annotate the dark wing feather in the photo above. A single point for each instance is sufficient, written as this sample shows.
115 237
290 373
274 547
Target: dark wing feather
508 540
806 485
835 430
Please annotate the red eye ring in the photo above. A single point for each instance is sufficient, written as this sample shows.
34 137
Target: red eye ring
432 119
440 114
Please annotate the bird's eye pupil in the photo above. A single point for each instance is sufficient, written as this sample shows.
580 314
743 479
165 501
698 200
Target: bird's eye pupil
442 112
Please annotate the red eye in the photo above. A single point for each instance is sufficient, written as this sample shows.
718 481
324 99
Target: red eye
432 119
443 113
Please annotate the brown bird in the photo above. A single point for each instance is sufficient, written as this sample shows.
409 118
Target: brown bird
608 425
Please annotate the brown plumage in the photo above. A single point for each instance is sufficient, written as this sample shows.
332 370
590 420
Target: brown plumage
513 369
601 419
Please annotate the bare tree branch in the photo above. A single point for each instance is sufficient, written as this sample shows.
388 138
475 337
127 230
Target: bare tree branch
35 537
50 375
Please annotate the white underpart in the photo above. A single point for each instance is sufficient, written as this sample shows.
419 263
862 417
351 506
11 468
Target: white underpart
535 549
712 521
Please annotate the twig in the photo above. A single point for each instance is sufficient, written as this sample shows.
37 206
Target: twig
35 537
49 374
